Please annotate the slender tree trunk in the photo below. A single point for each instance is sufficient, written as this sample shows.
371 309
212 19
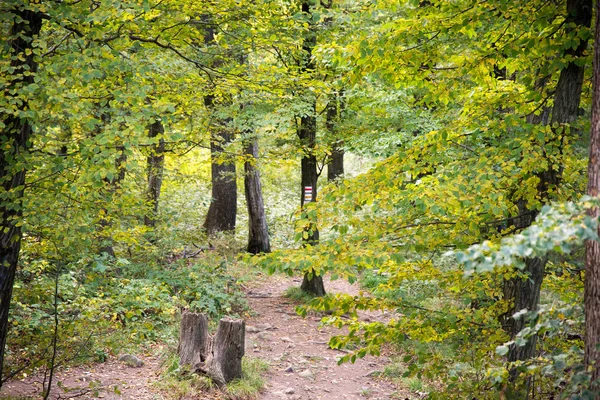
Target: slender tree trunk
222 211
107 243
592 247
15 132
311 282
156 163
335 167
307 132
258 235
564 112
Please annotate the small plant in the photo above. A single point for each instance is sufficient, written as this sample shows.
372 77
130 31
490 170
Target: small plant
394 370
414 384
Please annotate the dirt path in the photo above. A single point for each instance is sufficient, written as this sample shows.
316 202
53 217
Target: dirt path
92 382
303 367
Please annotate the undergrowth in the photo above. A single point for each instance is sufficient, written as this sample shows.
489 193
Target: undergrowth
106 306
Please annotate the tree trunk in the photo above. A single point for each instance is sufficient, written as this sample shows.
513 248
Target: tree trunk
258 233
592 248
564 112
219 356
222 211
335 167
106 240
307 132
156 163
15 132
313 285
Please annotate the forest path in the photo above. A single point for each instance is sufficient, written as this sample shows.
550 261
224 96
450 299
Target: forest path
303 367
110 380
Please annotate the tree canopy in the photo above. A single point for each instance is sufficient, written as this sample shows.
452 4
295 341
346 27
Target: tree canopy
461 208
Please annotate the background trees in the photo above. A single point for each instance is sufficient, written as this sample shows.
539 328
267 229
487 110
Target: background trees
468 117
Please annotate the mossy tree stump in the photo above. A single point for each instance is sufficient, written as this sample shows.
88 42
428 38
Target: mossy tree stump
217 356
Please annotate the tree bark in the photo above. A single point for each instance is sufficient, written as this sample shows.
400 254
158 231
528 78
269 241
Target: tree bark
15 132
564 112
225 351
592 248
335 167
307 132
313 285
156 163
222 211
193 339
219 356
106 240
258 233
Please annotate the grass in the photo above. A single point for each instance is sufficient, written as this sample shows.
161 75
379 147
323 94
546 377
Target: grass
414 384
252 381
179 382
393 370
298 295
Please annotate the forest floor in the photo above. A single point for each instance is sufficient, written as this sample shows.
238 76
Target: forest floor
302 366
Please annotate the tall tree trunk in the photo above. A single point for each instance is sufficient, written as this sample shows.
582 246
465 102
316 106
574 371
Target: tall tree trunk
592 248
307 132
156 163
222 211
15 132
258 233
335 167
564 112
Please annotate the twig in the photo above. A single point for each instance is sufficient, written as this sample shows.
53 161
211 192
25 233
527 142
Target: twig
55 337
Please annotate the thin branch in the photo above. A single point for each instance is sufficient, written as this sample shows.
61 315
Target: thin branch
464 147
57 45
168 46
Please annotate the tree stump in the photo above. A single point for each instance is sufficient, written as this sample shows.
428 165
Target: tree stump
219 356
193 339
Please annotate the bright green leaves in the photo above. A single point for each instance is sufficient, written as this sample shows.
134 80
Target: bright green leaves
558 229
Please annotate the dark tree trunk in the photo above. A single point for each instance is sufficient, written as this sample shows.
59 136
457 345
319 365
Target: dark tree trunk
156 163
15 133
564 112
592 248
222 211
313 284
258 233
335 167
307 132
